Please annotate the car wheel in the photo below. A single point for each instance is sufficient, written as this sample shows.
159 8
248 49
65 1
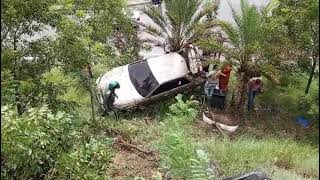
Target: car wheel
167 47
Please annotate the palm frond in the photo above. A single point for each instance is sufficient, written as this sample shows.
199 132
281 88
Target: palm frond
267 10
154 31
249 26
178 20
231 31
193 8
157 18
208 8
154 41
235 15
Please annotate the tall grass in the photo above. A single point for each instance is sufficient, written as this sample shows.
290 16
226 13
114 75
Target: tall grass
225 157
248 154
178 152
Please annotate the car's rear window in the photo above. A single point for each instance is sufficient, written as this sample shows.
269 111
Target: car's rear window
142 78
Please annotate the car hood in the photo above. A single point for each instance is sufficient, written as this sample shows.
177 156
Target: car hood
127 94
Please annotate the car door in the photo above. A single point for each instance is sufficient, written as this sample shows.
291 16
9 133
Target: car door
167 89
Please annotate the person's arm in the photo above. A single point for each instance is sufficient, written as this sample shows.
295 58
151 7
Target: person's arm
220 73
210 74
115 95
210 67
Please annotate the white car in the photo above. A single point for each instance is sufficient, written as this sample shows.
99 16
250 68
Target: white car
149 80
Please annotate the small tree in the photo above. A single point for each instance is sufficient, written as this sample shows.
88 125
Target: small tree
246 39
20 20
86 36
301 19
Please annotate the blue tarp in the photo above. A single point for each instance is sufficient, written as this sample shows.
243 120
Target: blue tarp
303 121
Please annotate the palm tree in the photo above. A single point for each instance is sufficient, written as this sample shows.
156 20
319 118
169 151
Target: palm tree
246 37
177 22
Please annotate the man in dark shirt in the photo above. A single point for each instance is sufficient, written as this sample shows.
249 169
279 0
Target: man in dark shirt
109 98
254 85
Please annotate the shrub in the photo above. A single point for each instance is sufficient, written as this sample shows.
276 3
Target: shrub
290 97
63 91
89 160
31 144
201 167
177 148
183 108
181 156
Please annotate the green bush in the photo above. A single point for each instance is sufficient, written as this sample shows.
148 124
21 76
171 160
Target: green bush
178 151
89 160
32 143
290 97
183 108
63 91
181 156
201 167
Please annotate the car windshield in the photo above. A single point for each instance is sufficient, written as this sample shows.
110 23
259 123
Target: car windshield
142 78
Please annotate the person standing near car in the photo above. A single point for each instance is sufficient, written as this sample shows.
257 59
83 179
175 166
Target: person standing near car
253 87
224 78
212 81
109 98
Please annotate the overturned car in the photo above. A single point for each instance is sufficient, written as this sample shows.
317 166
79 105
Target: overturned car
149 80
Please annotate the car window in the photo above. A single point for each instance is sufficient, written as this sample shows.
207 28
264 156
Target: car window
142 78
170 85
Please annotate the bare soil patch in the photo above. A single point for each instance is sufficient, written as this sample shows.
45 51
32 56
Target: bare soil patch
132 161
202 130
128 165
223 117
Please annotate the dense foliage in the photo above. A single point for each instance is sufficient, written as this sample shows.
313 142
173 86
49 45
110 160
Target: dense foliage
46 84
43 144
79 36
53 50
270 41
179 154
33 142
300 24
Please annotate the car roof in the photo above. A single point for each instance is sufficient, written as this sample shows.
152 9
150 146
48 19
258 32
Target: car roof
165 68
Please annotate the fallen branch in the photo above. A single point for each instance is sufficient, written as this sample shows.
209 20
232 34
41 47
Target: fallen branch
224 135
131 146
122 144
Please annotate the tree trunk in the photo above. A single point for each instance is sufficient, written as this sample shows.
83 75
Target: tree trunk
15 78
91 92
240 93
311 75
